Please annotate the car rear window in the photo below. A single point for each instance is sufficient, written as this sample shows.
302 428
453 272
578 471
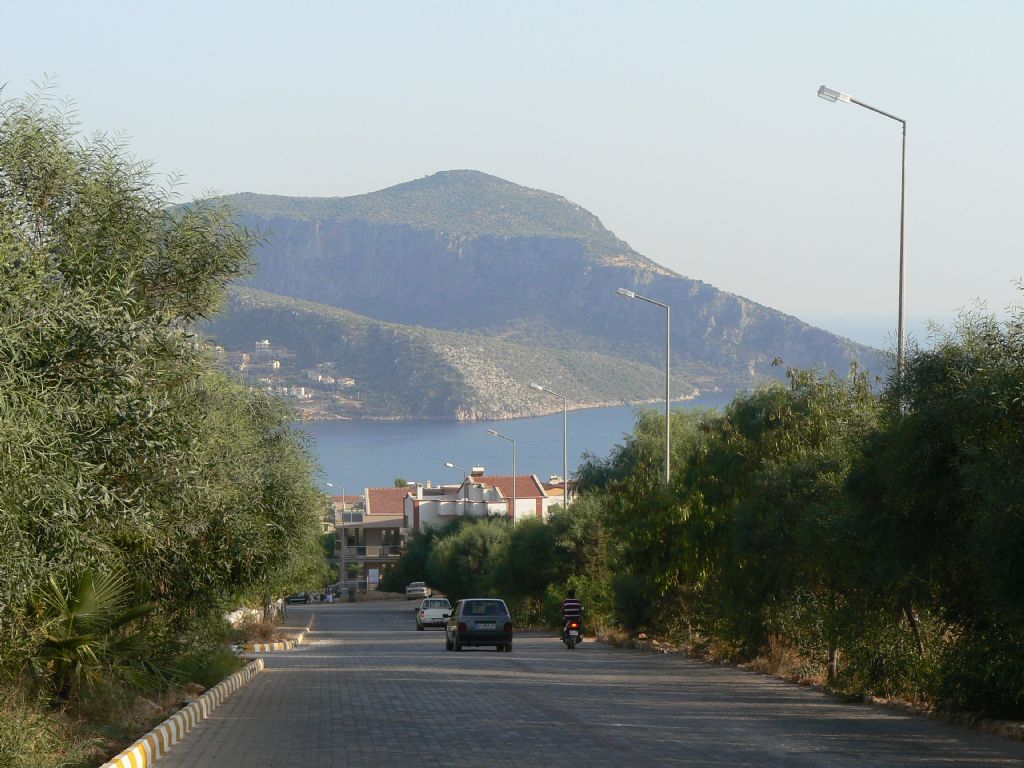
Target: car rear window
436 604
484 608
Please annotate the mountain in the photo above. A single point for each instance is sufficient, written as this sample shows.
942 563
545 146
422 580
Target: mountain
412 372
466 252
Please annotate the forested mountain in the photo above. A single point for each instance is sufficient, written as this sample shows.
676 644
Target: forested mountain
468 252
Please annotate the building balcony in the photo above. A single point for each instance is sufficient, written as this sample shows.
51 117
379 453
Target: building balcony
371 552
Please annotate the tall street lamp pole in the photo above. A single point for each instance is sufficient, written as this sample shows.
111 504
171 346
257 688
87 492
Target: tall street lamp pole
830 95
668 367
506 437
565 439
465 477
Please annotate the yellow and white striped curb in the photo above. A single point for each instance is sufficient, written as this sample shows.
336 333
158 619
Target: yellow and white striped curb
157 742
270 647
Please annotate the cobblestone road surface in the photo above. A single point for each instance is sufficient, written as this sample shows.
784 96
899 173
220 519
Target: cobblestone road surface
368 690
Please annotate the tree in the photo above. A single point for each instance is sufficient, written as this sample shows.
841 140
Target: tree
126 451
940 510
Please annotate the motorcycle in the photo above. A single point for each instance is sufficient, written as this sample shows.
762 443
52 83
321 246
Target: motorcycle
572 633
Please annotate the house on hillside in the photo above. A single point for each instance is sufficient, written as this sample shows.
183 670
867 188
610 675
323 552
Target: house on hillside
479 495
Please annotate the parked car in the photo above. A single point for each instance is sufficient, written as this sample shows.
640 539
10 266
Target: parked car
299 597
433 612
479 621
417 589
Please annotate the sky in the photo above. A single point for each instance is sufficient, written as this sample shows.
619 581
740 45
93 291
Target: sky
691 129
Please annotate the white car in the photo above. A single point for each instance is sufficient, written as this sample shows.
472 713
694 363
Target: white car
417 589
433 612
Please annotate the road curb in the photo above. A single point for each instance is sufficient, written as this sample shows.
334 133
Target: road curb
285 645
158 741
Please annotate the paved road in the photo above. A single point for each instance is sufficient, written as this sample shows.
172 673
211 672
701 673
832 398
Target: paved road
368 690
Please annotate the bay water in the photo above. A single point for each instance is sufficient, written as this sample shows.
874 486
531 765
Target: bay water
371 454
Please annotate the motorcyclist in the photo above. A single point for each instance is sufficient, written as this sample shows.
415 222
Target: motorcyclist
572 608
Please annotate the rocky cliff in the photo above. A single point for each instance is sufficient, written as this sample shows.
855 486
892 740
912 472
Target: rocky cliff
464 251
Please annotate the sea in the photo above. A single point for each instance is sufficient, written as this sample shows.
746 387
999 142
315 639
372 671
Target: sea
354 455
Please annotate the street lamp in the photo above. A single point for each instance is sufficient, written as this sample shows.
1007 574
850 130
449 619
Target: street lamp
506 437
830 95
668 366
331 485
465 472
565 439
465 477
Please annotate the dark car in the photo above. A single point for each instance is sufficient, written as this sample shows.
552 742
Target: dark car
479 621
299 597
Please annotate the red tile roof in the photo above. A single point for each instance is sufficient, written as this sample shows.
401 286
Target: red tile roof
386 501
349 500
527 486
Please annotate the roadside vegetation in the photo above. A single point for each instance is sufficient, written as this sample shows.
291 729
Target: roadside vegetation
871 537
141 492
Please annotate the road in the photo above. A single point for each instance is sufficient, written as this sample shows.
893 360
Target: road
368 690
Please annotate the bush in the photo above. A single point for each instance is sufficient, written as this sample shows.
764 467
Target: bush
983 671
207 667
633 604
880 657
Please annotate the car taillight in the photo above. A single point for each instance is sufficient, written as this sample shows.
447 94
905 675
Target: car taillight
462 626
508 626
422 614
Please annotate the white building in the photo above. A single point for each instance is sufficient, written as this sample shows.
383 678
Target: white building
477 496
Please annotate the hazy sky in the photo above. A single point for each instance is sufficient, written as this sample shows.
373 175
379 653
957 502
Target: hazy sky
692 129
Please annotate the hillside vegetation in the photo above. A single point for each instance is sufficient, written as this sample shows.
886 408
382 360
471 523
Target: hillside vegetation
454 202
420 373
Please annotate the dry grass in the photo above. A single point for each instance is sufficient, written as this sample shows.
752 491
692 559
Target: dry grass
781 658
256 630
33 735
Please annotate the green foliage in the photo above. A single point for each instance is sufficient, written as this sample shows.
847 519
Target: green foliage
125 452
207 665
87 633
879 536
939 503
462 564
413 564
634 607
328 540
529 561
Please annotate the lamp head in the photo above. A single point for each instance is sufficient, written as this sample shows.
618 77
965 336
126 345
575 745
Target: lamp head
492 432
627 294
449 465
826 93
538 387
